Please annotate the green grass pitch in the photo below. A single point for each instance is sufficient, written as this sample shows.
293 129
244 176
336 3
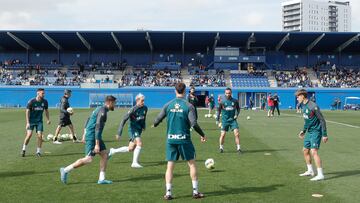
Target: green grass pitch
250 177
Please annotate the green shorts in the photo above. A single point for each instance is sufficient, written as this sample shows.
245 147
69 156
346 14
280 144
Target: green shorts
312 140
174 151
133 134
211 106
39 127
232 125
90 146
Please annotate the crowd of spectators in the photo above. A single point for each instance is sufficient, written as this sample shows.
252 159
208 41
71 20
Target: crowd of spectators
343 78
151 78
208 79
40 77
298 78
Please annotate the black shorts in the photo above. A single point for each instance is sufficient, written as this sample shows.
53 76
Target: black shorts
65 122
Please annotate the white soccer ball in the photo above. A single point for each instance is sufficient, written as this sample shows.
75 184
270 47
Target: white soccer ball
70 110
50 137
215 116
248 117
206 115
210 163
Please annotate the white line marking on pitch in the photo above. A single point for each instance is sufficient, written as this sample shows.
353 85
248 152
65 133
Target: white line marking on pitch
344 124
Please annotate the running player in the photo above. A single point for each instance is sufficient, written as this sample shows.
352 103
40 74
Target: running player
313 132
34 119
180 118
137 116
230 110
94 143
64 118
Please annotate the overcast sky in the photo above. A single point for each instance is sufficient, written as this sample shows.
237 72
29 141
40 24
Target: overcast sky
211 15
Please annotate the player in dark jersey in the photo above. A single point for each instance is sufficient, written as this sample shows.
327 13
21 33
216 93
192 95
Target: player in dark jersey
313 132
94 143
34 119
211 104
137 116
192 99
181 117
64 118
230 110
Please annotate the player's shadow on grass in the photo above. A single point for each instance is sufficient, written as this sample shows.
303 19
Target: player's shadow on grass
159 176
341 174
9 174
67 154
234 191
263 150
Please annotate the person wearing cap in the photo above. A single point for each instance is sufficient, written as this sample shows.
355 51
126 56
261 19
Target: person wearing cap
65 118
94 143
137 116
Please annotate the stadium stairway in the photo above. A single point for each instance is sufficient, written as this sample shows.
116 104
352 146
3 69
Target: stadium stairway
185 76
227 78
272 80
312 76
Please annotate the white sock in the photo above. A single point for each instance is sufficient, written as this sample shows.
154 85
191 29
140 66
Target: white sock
38 150
102 176
309 167
136 154
121 149
221 146
68 168
238 147
24 147
320 172
195 186
168 188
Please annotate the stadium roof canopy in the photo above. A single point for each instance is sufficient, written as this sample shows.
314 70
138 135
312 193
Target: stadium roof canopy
131 41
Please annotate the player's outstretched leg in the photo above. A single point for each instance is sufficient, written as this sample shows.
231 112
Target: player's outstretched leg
64 171
307 157
39 144
194 179
26 142
103 165
221 141
168 180
138 144
56 136
320 174
237 140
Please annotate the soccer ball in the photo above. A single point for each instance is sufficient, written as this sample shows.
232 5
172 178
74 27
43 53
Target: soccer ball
70 110
248 117
210 163
206 115
215 116
50 137
65 137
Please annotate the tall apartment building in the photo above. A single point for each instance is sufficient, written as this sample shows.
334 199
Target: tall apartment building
316 16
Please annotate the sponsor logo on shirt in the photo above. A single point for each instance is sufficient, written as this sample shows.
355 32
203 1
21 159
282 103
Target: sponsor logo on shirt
177 109
176 137
306 116
229 108
38 108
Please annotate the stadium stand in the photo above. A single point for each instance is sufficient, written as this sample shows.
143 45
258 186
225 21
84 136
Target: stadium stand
256 79
207 78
